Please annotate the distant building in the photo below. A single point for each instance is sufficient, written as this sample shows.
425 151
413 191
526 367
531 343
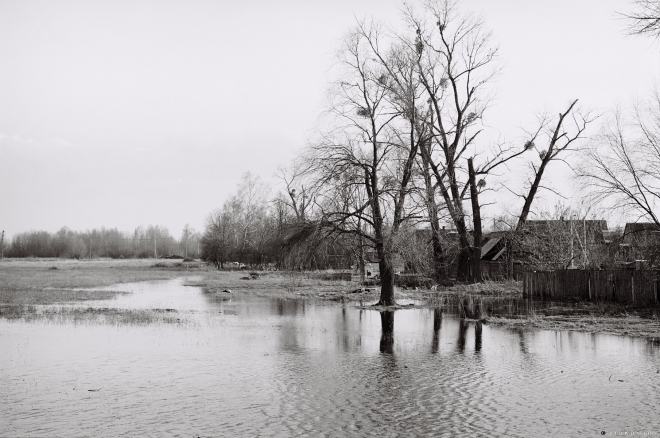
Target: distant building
591 231
563 243
371 268
640 242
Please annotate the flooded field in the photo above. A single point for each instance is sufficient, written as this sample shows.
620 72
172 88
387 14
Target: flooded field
223 364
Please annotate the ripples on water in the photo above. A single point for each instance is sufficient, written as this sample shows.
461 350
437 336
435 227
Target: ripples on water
254 366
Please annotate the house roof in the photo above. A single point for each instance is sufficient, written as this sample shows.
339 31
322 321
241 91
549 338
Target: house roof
593 227
638 231
636 227
596 224
488 246
492 248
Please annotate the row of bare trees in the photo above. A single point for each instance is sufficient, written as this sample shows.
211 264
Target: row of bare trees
400 144
152 241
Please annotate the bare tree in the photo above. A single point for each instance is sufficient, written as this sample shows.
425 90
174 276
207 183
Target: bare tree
217 243
300 192
456 62
364 159
644 19
622 166
241 228
553 140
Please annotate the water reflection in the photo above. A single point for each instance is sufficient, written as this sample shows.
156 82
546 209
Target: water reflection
437 324
387 331
462 332
293 368
478 328
522 343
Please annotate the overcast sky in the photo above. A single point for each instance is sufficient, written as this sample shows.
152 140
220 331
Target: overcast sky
127 113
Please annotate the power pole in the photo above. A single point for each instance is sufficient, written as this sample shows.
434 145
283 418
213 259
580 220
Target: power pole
2 245
155 246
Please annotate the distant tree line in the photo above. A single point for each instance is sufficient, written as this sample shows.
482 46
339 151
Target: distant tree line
152 241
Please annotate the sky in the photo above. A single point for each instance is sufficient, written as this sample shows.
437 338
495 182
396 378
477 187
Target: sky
129 113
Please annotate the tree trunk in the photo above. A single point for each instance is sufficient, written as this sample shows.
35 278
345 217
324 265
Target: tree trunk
476 219
458 216
386 281
360 261
463 271
439 273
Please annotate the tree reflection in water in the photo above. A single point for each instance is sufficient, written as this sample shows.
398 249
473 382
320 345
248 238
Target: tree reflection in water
477 336
437 323
387 334
462 333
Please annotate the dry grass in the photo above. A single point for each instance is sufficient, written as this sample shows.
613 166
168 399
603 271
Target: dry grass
50 281
86 315
282 284
635 326
507 288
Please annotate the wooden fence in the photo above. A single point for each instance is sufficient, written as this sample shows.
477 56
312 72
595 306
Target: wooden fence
625 286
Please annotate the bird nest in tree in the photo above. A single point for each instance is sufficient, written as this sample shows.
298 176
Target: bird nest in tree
363 112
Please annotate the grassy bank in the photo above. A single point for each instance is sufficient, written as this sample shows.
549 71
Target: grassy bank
612 318
53 281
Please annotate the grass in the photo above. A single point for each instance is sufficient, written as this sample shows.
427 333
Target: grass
52 281
34 289
85 315
281 284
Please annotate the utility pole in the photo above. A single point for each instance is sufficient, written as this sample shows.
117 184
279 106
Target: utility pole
2 245
155 246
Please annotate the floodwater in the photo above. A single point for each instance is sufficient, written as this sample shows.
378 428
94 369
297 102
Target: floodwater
247 366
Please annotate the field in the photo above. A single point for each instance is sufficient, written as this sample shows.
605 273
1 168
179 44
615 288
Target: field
27 283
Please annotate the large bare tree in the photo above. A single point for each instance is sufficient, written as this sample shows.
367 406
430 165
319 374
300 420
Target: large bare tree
365 156
622 166
553 139
456 64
